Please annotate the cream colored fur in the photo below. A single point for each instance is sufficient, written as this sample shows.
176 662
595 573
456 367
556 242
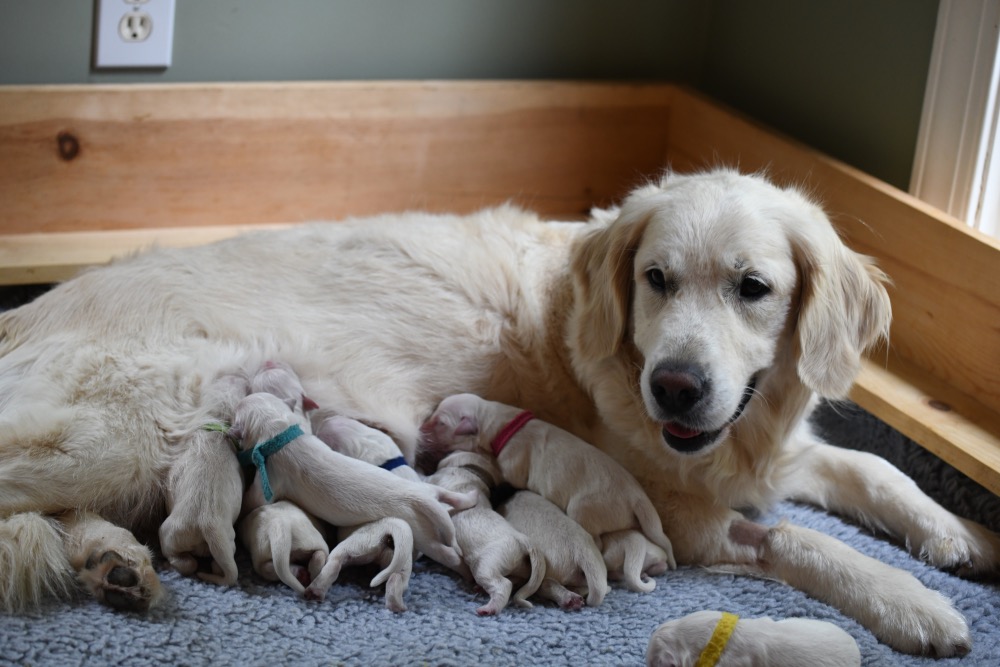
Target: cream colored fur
102 380
591 487
494 554
388 542
791 642
573 563
285 543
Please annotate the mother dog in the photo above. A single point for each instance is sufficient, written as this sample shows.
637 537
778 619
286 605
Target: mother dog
686 334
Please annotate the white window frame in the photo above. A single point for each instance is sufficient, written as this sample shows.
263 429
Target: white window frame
956 167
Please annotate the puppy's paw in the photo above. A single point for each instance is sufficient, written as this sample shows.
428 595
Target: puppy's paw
126 582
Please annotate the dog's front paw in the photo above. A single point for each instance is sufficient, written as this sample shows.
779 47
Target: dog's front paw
127 582
964 547
921 622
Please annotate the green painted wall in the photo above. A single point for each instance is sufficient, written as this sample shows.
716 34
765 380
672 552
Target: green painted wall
846 76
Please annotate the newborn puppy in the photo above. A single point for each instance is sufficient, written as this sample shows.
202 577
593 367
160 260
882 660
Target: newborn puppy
590 486
388 542
352 438
285 544
630 556
493 552
793 642
204 492
278 379
336 488
571 557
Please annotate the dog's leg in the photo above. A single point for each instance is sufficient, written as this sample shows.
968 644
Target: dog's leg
562 596
110 563
33 563
869 489
893 604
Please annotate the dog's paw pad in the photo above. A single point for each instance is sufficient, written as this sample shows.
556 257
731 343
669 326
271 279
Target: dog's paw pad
120 582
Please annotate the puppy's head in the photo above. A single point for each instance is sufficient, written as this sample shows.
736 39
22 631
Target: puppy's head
453 426
259 417
278 378
705 279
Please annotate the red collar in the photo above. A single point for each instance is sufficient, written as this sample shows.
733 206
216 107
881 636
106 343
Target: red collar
508 431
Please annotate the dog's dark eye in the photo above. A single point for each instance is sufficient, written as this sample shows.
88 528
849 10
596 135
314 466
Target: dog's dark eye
656 280
753 288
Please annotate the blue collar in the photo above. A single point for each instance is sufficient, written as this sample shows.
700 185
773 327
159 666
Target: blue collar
392 464
259 454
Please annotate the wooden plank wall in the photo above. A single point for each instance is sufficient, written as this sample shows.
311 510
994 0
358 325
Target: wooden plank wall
81 158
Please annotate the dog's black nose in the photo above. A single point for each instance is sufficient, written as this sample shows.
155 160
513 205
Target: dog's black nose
677 388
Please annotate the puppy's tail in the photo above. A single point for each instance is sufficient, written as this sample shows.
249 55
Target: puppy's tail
652 528
33 562
537 563
280 536
596 574
635 556
402 552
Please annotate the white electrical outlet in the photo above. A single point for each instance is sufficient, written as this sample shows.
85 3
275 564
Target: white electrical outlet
134 33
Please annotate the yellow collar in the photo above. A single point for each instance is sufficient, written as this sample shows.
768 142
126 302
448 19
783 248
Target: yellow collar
717 644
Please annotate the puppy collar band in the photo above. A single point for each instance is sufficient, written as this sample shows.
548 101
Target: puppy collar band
263 450
717 644
392 464
508 431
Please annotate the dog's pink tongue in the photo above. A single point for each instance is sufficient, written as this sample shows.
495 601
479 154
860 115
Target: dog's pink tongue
679 431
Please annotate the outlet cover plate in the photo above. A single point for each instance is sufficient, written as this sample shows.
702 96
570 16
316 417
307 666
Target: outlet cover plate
134 33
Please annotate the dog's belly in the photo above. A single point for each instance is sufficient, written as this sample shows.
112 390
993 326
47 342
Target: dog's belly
381 319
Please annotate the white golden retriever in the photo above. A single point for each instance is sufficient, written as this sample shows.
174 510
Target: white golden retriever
686 334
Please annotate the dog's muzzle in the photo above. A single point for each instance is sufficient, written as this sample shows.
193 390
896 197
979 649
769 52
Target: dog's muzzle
689 441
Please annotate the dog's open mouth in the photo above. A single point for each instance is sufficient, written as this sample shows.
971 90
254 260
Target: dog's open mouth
687 440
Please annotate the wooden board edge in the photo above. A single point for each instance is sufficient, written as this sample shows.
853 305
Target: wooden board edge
954 427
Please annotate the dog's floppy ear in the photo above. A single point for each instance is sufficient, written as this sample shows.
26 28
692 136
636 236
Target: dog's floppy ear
603 271
844 310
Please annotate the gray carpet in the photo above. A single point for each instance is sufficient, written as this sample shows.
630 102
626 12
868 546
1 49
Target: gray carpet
258 623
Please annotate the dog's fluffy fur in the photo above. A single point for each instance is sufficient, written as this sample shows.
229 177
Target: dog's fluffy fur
102 379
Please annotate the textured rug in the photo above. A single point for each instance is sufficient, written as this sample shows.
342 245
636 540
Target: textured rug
259 623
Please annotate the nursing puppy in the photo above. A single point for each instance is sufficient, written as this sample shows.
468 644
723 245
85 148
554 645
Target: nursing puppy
387 542
341 490
494 554
285 543
792 642
572 560
352 438
279 379
205 490
590 486
633 558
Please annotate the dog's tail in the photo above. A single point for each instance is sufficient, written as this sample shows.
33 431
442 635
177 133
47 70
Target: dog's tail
402 552
596 574
537 563
33 562
652 528
634 546
280 536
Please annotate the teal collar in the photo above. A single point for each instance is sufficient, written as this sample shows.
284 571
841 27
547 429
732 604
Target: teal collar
263 450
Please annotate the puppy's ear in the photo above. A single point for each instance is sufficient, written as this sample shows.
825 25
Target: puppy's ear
844 310
602 270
